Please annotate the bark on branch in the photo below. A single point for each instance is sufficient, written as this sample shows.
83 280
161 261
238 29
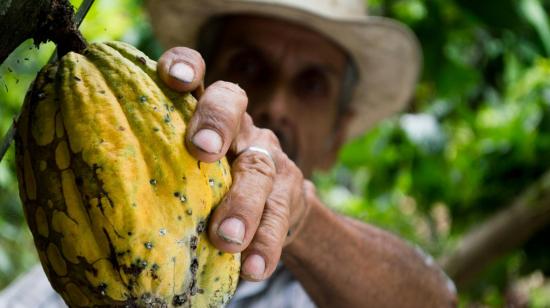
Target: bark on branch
19 20
41 20
501 233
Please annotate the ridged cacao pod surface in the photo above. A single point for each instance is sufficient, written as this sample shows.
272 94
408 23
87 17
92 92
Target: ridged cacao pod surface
118 208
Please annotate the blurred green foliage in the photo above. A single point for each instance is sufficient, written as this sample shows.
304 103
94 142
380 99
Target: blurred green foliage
476 134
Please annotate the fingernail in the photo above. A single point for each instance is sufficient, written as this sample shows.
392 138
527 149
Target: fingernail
232 230
182 72
254 266
208 141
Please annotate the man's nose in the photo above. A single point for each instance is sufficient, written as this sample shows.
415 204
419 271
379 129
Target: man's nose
273 112
276 113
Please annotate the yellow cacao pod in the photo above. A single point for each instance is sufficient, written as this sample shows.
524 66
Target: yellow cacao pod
117 206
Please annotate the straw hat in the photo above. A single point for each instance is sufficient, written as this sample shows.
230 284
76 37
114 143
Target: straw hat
386 53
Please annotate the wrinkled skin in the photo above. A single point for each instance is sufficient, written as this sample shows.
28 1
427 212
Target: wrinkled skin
289 80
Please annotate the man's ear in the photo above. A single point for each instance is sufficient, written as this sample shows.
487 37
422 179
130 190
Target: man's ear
337 139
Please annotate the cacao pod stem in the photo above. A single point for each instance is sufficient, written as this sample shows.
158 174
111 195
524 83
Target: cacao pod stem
60 27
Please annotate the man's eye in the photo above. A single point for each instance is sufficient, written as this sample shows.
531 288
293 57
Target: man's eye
245 67
312 83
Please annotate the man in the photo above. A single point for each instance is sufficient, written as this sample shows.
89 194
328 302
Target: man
312 74
297 64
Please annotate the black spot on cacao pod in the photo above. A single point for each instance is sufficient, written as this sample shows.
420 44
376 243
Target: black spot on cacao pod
135 268
148 245
194 266
193 242
201 226
153 182
179 299
147 298
102 288
143 99
154 268
193 287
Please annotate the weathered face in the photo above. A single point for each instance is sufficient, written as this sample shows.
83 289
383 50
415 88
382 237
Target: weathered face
293 80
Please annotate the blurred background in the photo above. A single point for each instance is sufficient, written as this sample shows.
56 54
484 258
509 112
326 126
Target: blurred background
464 173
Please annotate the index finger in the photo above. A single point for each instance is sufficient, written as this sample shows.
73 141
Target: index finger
217 121
181 68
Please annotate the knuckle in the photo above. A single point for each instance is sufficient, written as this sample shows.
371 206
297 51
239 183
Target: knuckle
214 113
248 201
254 163
247 121
309 189
193 53
185 54
279 205
181 51
229 86
215 120
220 117
273 229
269 136
235 101
293 168
270 237
287 167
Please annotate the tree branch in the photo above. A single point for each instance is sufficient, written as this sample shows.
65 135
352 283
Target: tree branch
41 20
19 20
506 230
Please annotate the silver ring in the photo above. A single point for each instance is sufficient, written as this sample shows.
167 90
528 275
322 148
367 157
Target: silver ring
261 150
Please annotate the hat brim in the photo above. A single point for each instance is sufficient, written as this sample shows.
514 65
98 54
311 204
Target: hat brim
386 53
